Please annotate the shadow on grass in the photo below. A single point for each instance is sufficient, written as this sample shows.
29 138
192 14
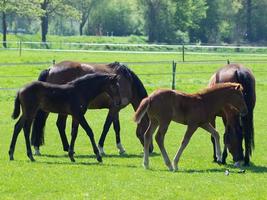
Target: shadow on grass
125 155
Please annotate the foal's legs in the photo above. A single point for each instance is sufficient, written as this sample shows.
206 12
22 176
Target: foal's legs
74 131
163 127
208 127
147 140
89 132
188 134
17 128
61 125
116 126
27 129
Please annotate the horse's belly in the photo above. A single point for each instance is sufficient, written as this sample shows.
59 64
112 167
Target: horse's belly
56 108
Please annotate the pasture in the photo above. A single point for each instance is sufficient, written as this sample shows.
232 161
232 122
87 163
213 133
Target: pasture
53 176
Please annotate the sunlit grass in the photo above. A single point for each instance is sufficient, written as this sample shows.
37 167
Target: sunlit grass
53 176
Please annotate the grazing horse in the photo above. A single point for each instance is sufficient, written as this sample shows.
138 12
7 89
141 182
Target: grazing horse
194 110
68 99
236 129
131 90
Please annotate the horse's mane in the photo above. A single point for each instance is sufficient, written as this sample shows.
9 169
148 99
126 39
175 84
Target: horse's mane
130 75
220 86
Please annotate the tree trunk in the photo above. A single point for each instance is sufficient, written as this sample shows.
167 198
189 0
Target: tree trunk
81 29
4 29
152 23
44 27
44 20
249 25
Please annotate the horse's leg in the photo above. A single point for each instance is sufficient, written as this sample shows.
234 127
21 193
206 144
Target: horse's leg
116 126
74 132
163 127
147 140
90 133
208 127
188 134
106 127
224 155
27 129
17 128
61 125
213 123
37 136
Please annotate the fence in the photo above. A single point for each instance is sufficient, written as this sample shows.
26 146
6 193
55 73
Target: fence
182 49
173 66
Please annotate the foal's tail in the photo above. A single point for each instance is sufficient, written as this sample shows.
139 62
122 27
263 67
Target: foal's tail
142 109
16 110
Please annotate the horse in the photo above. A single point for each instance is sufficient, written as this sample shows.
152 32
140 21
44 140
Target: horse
67 99
236 128
194 110
131 89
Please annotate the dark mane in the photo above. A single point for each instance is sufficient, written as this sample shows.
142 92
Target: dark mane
129 74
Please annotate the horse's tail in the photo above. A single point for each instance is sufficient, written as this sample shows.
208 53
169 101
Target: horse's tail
37 137
142 109
16 110
248 84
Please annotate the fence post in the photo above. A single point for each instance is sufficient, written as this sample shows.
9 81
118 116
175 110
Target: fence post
20 47
183 52
228 61
173 74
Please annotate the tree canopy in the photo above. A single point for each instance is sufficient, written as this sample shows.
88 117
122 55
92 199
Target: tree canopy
162 21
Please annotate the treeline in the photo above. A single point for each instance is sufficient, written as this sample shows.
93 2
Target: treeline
162 21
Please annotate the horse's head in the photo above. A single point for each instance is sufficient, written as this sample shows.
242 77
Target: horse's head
233 139
140 131
238 101
112 88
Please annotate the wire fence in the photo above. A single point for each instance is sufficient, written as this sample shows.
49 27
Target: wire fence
173 73
182 49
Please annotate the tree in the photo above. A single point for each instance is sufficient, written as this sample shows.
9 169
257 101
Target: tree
55 7
189 14
20 8
159 22
84 7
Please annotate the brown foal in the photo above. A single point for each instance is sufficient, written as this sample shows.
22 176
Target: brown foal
194 110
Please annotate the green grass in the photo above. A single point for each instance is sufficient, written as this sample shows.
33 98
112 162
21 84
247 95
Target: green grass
53 176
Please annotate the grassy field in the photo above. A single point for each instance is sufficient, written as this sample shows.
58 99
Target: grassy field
53 176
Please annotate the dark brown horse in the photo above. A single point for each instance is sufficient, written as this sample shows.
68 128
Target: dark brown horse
131 89
194 110
236 129
68 99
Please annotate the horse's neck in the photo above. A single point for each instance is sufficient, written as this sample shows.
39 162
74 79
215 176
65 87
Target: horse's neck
216 99
136 100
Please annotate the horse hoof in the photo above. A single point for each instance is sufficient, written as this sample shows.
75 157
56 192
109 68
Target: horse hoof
11 158
72 159
101 150
37 153
121 152
146 166
237 164
32 159
99 158
171 169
